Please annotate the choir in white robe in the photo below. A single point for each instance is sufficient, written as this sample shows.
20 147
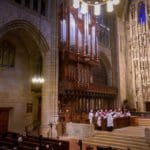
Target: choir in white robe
91 115
99 122
110 121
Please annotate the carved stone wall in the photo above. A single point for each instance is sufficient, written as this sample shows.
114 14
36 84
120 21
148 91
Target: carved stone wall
134 54
138 53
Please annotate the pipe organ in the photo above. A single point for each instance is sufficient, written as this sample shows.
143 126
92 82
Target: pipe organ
82 75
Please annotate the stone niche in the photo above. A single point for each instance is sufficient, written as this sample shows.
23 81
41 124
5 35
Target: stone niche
79 130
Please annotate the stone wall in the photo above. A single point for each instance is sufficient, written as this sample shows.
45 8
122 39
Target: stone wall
14 88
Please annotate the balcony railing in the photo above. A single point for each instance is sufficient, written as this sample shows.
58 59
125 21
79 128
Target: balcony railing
66 85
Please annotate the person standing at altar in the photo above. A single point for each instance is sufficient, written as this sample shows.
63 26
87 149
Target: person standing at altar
110 121
119 113
128 114
91 115
97 114
105 113
99 122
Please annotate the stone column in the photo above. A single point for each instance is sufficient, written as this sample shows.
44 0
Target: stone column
121 53
49 96
50 87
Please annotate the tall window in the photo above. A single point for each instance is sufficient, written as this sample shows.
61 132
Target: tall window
141 13
7 55
38 5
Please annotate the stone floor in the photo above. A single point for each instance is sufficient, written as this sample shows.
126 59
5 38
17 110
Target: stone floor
132 131
137 131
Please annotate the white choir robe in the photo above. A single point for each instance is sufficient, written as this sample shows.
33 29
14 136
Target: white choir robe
128 114
91 115
99 121
110 120
96 114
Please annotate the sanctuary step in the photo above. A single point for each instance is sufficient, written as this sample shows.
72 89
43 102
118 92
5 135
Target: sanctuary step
118 140
144 121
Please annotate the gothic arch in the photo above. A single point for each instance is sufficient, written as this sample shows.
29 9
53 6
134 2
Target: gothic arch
25 37
28 27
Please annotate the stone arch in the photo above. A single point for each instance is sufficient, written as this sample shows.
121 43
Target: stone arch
108 67
29 28
25 37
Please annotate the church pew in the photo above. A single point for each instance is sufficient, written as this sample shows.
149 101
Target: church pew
29 143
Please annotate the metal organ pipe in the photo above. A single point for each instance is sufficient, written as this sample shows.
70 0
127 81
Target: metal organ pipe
76 37
79 41
85 34
63 30
93 40
72 30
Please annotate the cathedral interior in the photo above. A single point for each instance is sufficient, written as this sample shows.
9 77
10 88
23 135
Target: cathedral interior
61 58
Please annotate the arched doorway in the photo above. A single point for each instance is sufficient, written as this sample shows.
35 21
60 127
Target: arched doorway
21 58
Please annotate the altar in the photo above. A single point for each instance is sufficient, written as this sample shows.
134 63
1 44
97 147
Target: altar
79 130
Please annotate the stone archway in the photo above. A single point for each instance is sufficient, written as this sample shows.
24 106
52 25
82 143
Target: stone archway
28 38
29 28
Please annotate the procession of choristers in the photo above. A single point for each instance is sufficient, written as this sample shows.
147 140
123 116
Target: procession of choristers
109 115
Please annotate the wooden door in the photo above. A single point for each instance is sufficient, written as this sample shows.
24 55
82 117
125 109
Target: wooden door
4 116
147 106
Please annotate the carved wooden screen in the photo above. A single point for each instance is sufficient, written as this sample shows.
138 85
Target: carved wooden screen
99 75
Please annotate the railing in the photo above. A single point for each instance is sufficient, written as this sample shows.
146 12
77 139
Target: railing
29 129
119 122
103 89
88 87
141 114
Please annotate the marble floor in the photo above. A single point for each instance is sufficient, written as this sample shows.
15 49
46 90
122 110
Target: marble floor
132 131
